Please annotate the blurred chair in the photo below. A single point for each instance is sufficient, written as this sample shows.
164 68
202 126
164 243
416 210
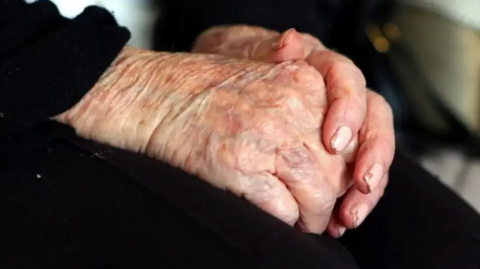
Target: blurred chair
447 54
426 64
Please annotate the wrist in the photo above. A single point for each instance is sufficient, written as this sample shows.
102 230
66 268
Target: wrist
104 114
143 93
106 88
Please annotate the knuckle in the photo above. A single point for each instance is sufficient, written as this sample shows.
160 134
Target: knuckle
374 138
327 205
282 210
293 94
388 110
371 137
324 200
344 72
300 161
337 67
356 107
267 195
381 193
381 143
386 144
337 58
358 75
293 99
341 65
290 217
378 100
309 38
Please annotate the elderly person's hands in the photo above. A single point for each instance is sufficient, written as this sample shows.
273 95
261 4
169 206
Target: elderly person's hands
249 127
351 107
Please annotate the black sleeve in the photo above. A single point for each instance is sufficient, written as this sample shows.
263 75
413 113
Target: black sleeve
183 20
47 63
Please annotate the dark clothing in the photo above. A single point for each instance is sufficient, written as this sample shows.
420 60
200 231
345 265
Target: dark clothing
80 205
77 204
47 64
333 21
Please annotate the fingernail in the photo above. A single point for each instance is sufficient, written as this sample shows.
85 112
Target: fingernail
280 43
359 213
341 139
373 177
341 231
275 45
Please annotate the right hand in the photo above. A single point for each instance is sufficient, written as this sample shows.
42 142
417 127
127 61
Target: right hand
251 128
351 107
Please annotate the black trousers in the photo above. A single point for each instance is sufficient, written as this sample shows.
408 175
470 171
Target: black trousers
82 205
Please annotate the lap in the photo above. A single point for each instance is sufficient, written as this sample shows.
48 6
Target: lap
107 208
419 223
103 207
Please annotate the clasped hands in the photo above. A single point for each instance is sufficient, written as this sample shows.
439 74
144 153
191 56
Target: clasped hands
275 118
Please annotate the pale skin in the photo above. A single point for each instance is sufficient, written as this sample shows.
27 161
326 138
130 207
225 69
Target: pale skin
352 108
250 127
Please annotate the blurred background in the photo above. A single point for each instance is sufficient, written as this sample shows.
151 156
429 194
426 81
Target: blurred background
423 56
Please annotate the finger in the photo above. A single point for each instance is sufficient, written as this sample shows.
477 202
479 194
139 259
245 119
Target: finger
264 46
299 170
271 195
223 38
335 226
286 46
356 206
209 41
346 95
377 144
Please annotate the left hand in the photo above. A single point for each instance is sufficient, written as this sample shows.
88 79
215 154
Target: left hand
353 109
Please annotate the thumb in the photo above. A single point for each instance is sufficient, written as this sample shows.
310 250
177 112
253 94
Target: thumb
286 46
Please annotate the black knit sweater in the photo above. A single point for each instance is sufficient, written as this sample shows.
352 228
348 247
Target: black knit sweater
47 63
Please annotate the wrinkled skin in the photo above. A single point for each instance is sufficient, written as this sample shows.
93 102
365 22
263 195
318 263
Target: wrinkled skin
249 127
352 108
